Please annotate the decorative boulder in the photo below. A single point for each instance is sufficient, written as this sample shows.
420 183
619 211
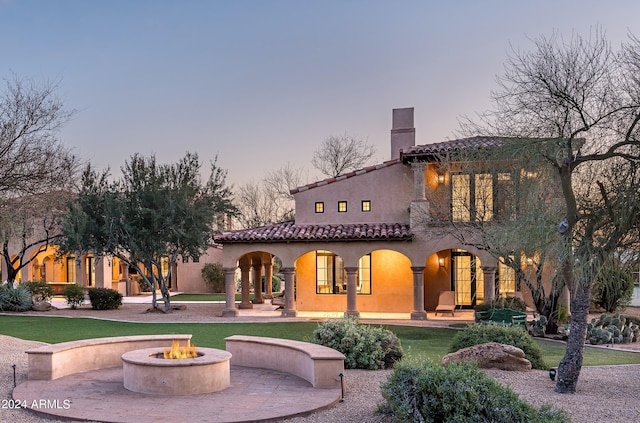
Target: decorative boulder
491 355
41 306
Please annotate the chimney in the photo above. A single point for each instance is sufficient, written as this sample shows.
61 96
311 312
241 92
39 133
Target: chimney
403 134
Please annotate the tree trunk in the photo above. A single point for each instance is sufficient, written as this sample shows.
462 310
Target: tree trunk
154 300
571 364
165 296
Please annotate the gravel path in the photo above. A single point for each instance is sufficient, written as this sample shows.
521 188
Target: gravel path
608 393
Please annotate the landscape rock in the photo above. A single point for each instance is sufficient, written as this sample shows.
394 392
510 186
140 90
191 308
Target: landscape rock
41 306
492 355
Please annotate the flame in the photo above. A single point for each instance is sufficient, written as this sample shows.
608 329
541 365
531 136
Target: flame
178 352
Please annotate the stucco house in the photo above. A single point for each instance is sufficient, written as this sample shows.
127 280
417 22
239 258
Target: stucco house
359 242
90 271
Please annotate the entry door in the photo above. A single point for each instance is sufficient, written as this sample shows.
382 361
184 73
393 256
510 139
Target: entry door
467 279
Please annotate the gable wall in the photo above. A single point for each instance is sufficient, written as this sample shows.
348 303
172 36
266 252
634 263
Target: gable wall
390 190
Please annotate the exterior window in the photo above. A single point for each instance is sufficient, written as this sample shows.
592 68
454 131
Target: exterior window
90 270
481 197
331 278
342 206
460 198
506 279
364 275
366 206
319 207
164 265
330 275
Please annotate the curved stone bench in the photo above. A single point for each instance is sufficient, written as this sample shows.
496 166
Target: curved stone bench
57 360
319 365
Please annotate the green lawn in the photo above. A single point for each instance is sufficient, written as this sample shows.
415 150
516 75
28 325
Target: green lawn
431 342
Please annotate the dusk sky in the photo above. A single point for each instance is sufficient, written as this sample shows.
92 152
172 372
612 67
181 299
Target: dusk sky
264 82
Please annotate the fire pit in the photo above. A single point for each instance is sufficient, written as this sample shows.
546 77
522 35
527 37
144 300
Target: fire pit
147 371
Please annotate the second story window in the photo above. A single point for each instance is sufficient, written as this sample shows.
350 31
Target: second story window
319 207
342 206
481 197
366 205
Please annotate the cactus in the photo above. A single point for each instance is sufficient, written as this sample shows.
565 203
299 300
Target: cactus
538 327
612 329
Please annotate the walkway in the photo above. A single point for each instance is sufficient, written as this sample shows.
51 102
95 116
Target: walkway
267 312
255 395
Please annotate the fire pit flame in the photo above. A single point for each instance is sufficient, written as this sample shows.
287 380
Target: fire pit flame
178 351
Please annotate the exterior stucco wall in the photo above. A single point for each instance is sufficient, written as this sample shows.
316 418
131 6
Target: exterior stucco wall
436 278
189 277
306 297
391 286
390 190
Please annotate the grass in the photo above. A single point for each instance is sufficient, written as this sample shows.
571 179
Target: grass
430 342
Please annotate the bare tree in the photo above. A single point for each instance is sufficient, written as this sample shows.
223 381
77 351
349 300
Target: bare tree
32 159
37 172
269 200
340 154
282 181
496 204
575 106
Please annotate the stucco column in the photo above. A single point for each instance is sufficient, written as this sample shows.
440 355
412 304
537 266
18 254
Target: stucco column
352 292
418 312
245 269
289 293
230 309
268 275
257 281
489 283
124 267
418 180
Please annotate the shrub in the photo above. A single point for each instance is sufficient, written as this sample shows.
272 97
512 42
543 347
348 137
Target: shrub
481 334
213 276
15 299
40 291
105 298
74 294
143 286
276 283
420 391
612 289
364 346
513 303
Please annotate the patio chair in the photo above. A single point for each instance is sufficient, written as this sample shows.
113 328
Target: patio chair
446 302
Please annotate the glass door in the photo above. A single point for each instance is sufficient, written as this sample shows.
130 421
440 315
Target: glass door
467 279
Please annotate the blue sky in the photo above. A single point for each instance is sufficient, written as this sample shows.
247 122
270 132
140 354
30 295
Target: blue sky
263 82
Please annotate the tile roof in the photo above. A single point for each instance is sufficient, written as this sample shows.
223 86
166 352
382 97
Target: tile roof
451 146
345 176
290 232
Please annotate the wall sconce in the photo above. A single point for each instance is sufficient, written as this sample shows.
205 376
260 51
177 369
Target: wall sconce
441 261
441 178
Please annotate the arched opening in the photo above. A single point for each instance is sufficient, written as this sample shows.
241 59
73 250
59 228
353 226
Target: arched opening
455 270
383 281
